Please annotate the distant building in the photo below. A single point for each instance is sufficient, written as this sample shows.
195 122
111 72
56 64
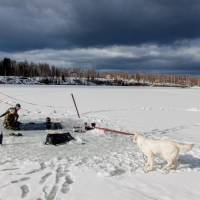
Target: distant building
108 76
74 75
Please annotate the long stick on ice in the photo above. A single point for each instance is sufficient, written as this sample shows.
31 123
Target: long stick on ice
114 131
75 105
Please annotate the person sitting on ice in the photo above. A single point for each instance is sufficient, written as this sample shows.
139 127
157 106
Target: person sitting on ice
11 118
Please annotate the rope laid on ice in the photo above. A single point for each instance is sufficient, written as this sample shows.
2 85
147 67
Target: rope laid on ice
114 131
31 103
1 101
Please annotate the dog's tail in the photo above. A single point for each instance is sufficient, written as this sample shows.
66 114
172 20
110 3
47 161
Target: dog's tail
184 147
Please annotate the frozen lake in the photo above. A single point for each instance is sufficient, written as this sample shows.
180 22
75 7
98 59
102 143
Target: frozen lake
110 164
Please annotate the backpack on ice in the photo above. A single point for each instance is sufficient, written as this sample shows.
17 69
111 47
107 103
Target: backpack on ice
58 138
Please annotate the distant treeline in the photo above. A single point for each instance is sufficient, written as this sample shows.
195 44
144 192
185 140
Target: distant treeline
10 67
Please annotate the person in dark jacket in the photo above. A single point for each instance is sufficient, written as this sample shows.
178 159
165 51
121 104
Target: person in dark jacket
11 118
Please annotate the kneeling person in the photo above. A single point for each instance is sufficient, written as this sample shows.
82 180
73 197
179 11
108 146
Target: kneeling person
11 118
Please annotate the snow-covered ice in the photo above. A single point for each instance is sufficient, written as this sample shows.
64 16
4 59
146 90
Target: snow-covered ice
98 165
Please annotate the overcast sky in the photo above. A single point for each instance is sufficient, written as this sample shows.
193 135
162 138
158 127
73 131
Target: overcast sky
131 35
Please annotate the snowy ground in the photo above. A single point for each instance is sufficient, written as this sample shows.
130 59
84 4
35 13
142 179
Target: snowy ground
97 165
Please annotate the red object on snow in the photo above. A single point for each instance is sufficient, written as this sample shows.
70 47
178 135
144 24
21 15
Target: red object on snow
114 131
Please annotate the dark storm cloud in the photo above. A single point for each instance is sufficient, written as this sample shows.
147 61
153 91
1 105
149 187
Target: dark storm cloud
179 56
36 24
131 35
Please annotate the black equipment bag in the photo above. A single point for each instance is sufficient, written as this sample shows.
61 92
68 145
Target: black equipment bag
58 138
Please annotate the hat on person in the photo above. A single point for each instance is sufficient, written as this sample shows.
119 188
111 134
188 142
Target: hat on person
18 105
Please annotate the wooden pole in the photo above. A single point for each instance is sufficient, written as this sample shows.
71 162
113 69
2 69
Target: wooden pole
1 138
75 106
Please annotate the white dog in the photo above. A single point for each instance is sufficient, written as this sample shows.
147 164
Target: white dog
168 150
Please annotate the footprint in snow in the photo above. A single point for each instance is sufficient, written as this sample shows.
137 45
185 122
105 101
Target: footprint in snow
65 188
68 179
9 169
59 173
66 185
20 180
42 167
52 194
45 177
25 191
33 171
117 172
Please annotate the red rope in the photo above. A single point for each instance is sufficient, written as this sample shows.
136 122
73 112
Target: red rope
114 131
